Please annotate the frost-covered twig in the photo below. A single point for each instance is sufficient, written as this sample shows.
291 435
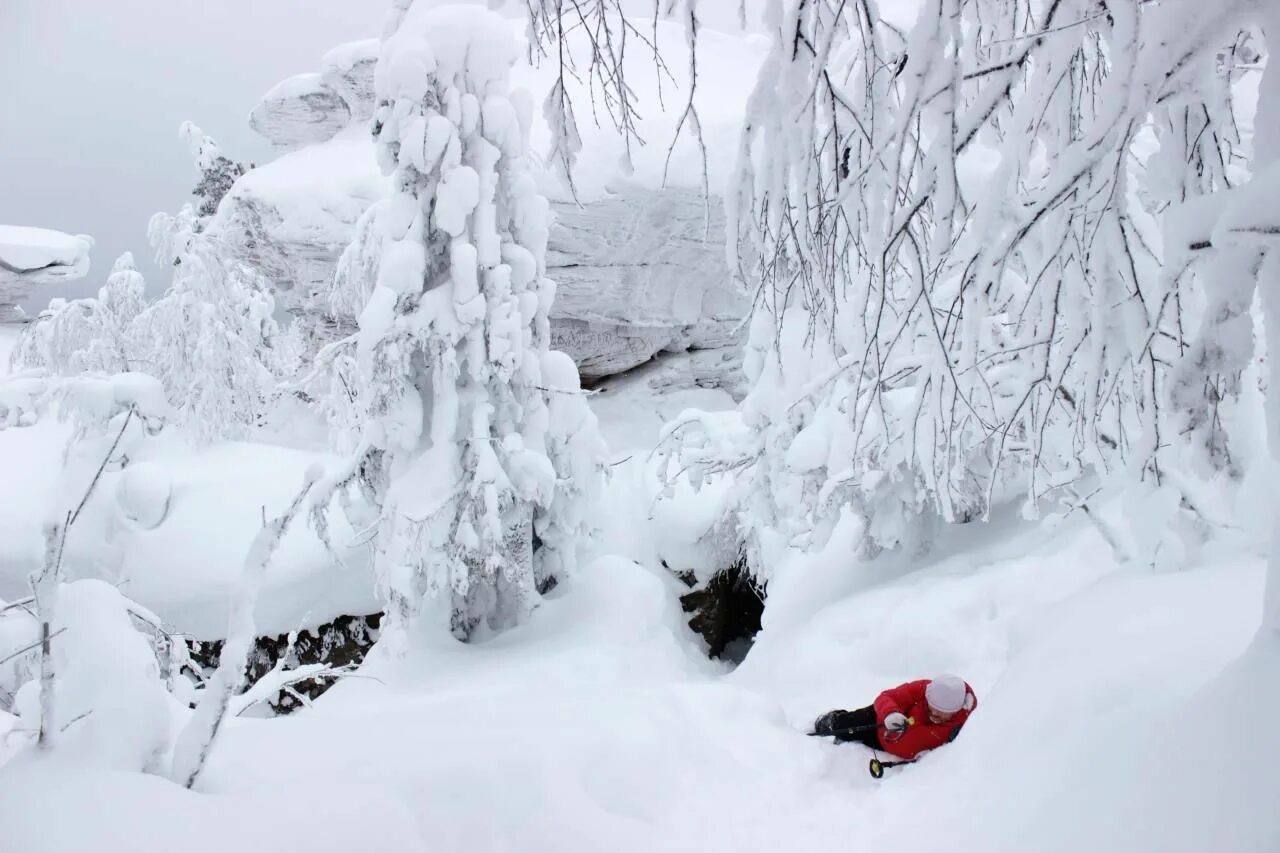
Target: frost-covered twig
45 586
279 679
29 648
93 484
197 738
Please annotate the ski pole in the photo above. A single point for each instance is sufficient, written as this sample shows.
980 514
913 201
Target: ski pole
877 766
856 730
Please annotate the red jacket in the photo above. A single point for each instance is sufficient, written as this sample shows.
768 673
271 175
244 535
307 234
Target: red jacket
909 699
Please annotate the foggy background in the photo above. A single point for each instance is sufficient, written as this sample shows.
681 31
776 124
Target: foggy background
92 93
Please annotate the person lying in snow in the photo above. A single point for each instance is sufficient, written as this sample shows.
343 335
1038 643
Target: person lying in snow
908 720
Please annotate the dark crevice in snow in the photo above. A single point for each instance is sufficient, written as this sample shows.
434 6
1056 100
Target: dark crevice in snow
726 612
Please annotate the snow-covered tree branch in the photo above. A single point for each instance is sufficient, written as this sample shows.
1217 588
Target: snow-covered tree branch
956 233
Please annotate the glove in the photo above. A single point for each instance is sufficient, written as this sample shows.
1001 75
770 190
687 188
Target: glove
895 722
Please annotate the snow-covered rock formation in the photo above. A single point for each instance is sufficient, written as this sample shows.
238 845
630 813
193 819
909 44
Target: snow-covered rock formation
636 250
34 256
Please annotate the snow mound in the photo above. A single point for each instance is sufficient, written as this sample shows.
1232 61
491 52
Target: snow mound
111 707
184 566
144 493
1107 727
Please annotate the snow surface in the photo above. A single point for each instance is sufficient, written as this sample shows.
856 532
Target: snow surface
183 567
599 725
109 811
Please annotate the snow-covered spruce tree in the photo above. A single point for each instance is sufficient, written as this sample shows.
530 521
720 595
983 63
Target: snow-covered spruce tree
955 231
475 446
217 171
88 335
212 339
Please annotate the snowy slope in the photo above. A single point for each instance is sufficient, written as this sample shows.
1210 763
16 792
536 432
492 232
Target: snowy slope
599 725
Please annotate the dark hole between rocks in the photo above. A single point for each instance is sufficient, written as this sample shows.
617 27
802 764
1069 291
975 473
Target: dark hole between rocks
726 611
342 642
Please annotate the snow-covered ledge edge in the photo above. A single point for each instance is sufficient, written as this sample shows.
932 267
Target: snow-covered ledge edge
34 256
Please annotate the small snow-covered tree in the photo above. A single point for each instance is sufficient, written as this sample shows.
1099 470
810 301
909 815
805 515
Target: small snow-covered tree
86 335
217 171
212 339
474 445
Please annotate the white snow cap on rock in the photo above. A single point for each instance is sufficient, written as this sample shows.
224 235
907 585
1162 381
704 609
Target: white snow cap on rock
39 251
946 693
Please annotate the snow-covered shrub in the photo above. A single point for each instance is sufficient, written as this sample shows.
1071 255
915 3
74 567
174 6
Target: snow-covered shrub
88 335
577 452
111 707
458 447
212 339
86 658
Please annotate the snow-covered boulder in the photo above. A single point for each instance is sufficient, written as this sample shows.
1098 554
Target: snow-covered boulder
348 70
636 248
300 110
291 218
638 273
34 256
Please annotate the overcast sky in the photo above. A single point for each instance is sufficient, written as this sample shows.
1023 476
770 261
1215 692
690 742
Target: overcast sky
92 93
